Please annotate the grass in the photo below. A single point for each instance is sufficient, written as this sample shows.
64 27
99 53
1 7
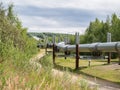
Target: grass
98 68
104 72
25 77
63 82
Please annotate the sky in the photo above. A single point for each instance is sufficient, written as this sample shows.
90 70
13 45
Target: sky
62 16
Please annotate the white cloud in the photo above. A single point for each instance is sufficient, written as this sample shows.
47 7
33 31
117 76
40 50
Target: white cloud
97 5
34 24
108 5
42 24
67 30
37 20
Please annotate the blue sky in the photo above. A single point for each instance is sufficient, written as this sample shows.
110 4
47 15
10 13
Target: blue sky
62 16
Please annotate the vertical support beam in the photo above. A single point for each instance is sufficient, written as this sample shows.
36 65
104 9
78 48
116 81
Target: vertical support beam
53 49
77 51
109 57
109 53
65 40
65 54
46 41
119 57
46 49
77 56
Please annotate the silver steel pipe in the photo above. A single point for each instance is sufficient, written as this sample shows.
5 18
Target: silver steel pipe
94 47
61 46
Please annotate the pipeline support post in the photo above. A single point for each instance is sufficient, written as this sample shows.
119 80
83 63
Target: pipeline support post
46 46
53 49
119 57
46 49
109 53
65 54
109 57
77 51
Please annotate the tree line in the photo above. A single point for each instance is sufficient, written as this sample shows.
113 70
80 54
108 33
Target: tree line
49 36
97 30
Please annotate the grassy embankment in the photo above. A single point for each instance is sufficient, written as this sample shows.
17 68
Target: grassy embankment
27 77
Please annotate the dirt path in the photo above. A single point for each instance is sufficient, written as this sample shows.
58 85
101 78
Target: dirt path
35 59
74 78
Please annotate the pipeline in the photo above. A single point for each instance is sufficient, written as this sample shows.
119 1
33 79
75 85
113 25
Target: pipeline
94 47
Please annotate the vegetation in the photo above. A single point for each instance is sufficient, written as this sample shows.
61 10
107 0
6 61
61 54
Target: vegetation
58 82
98 68
14 43
16 48
97 30
106 72
33 79
49 36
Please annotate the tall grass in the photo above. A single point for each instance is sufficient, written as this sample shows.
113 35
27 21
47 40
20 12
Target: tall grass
28 78
58 82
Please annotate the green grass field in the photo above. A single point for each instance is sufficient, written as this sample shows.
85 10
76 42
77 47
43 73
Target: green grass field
98 68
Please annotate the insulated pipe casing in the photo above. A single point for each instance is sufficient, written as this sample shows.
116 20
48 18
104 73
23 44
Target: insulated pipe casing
118 47
94 47
107 47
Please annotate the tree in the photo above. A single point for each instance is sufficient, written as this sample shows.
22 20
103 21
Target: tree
14 42
94 32
13 18
115 28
